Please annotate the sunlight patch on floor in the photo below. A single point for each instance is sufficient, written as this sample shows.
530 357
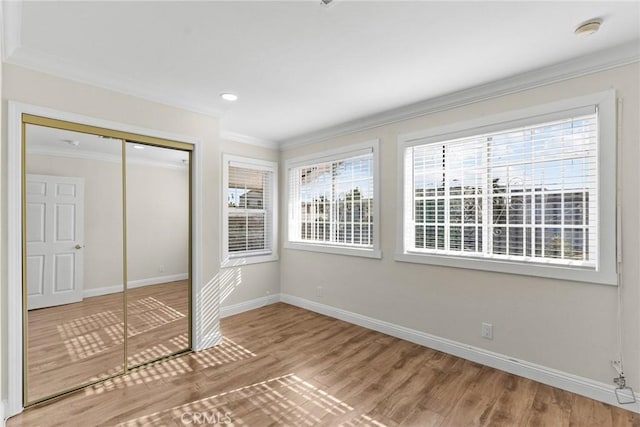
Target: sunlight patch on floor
287 400
148 313
88 336
85 346
150 353
115 333
87 324
362 420
162 370
180 341
227 352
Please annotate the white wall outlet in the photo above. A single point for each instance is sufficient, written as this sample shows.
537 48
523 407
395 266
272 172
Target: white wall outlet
161 268
487 331
319 291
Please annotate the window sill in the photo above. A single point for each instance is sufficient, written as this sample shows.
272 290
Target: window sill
336 250
246 260
552 271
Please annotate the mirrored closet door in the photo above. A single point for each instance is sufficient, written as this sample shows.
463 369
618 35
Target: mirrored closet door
106 254
158 230
74 260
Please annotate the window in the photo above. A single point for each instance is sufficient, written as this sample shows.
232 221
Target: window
333 203
249 211
530 192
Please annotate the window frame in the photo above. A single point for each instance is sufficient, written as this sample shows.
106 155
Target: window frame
230 259
605 271
332 155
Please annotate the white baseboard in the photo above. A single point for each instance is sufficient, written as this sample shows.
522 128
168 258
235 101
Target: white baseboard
583 386
105 290
10 408
156 280
230 310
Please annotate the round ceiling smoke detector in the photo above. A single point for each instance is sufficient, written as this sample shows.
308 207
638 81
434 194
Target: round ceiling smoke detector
588 28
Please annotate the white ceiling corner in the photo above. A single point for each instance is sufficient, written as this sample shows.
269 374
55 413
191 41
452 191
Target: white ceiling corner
14 52
246 139
625 54
83 73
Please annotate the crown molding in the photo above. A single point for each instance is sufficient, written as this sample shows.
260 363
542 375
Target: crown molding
11 22
598 61
246 139
14 53
79 72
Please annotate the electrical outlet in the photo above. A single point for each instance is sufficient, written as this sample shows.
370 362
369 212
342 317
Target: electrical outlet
487 331
161 268
319 291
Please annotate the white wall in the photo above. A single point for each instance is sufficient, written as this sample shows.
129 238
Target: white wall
44 90
568 326
157 221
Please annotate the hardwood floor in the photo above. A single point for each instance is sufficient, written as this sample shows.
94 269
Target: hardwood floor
78 343
281 365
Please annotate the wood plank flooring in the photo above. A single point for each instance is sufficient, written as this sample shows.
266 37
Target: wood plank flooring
282 365
74 344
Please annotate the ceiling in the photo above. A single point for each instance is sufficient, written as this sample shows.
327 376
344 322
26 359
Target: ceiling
302 69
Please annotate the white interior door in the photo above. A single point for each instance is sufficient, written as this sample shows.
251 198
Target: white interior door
54 239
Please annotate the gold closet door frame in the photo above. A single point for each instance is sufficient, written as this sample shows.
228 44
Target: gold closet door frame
125 137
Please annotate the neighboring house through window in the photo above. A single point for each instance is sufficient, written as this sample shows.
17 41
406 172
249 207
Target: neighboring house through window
333 201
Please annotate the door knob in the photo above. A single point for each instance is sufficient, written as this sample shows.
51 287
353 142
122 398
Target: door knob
78 246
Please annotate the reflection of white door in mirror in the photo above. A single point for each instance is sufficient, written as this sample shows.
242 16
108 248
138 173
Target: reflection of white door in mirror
55 238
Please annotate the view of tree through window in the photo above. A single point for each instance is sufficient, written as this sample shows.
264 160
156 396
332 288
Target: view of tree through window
334 201
528 193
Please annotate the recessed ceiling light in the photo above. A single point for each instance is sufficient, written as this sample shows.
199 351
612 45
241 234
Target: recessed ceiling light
588 28
229 96
139 147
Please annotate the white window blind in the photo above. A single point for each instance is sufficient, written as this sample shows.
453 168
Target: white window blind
249 210
526 194
332 201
